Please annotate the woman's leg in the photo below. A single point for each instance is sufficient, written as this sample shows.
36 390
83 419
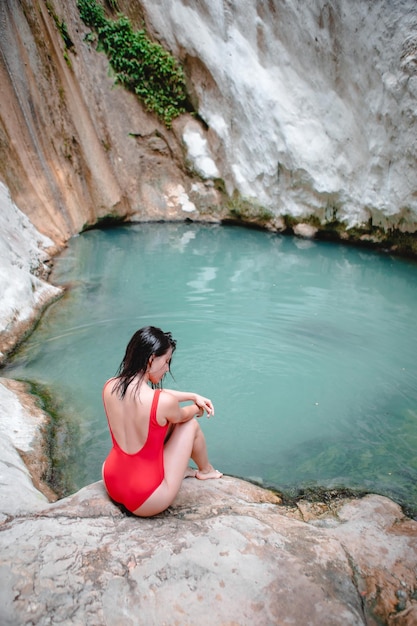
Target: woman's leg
187 440
200 457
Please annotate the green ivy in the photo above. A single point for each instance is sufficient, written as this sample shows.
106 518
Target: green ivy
92 14
141 65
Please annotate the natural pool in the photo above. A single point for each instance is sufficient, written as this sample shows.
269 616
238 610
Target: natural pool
307 350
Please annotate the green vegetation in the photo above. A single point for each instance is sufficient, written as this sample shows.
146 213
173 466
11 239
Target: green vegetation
390 240
61 439
63 29
245 210
61 26
140 65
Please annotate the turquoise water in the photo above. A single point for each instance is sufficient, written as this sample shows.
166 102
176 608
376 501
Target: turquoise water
307 350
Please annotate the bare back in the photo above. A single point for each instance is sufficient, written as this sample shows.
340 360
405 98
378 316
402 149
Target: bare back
129 416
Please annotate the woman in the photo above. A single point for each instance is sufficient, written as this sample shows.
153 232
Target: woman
153 435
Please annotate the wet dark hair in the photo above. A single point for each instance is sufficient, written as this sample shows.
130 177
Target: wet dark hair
146 342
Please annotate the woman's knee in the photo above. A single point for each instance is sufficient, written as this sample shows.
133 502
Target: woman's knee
183 434
191 425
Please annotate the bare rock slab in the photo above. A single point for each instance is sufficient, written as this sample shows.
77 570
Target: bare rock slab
225 553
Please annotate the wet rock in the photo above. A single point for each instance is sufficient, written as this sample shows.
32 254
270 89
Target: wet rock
305 230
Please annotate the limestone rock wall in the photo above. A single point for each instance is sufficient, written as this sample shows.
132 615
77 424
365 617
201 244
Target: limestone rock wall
310 111
24 268
74 148
311 105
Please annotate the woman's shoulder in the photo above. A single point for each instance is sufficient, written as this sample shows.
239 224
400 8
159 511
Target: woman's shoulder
167 398
109 381
167 405
109 387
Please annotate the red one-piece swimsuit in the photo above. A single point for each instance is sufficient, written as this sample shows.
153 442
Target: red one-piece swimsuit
131 478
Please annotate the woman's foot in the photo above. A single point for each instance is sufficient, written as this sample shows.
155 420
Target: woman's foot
206 474
190 472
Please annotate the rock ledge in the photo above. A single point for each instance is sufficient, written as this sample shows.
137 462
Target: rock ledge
225 553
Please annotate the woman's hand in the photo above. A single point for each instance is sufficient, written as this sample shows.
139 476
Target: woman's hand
204 404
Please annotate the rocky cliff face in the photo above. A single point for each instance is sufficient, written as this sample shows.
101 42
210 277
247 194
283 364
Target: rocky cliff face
24 268
312 105
74 148
310 112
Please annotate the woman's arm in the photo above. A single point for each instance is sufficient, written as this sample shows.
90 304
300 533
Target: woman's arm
173 412
202 403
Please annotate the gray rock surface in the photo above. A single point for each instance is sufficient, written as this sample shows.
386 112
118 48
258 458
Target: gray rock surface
21 423
225 553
